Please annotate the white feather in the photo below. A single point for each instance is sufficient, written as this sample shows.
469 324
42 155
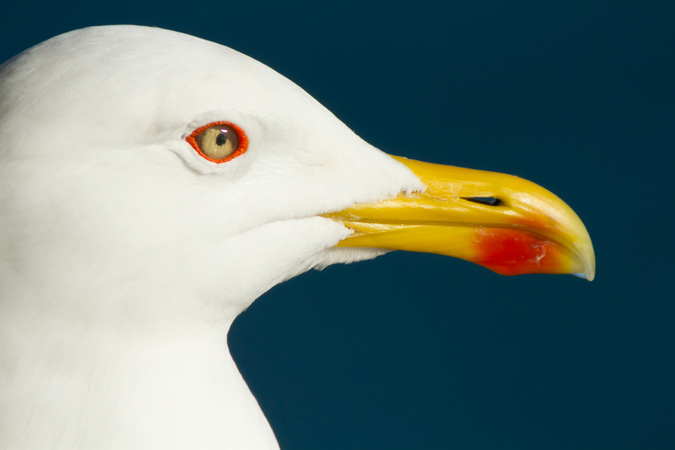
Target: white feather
125 256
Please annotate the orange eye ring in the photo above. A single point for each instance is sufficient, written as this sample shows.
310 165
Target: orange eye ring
197 137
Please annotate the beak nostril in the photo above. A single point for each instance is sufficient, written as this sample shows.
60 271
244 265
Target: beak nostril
490 201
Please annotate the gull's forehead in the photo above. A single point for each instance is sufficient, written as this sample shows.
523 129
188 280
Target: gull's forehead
145 80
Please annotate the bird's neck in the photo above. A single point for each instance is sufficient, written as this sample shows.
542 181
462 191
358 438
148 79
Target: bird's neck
89 389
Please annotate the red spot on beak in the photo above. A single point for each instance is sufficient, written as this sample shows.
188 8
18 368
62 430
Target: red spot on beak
516 252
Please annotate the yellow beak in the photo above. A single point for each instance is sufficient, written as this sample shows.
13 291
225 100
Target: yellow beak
505 223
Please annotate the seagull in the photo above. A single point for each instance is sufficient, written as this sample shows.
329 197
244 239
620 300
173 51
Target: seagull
153 185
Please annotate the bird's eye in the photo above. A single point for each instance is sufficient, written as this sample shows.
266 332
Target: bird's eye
219 142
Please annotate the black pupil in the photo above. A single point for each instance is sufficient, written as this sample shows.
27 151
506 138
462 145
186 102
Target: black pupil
221 139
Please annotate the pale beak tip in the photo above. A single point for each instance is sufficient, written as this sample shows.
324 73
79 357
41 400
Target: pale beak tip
588 277
587 261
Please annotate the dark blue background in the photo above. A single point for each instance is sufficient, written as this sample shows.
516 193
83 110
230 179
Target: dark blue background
422 351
